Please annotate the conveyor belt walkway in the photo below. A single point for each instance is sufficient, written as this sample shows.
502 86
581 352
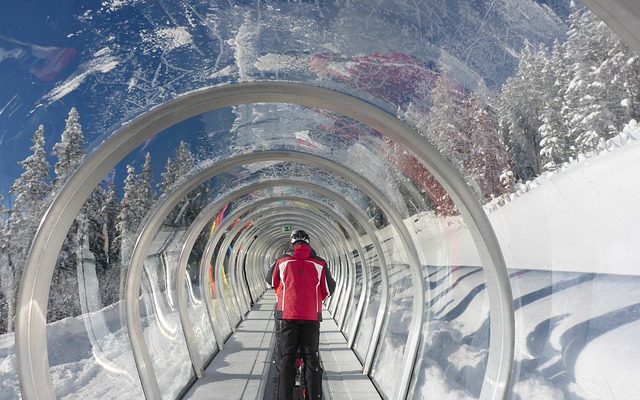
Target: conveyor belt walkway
240 370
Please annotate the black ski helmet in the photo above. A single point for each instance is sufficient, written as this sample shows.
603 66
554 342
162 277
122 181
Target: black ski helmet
299 236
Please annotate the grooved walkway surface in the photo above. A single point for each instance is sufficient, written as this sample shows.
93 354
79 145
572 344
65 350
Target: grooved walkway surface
343 372
236 372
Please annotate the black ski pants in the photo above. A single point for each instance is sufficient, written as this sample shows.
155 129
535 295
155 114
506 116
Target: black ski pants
305 335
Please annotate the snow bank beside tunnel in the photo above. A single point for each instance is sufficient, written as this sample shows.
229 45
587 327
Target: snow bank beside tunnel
583 218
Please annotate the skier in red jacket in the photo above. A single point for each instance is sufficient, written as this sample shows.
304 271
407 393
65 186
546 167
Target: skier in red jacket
302 281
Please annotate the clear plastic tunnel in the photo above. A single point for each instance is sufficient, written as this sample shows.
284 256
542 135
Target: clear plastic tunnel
466 168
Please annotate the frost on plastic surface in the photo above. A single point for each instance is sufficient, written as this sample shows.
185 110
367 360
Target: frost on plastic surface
124 57
346 142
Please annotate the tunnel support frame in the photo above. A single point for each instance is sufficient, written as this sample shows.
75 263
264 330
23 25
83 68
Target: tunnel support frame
31 345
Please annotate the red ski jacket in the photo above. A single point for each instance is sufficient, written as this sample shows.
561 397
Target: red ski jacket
300 282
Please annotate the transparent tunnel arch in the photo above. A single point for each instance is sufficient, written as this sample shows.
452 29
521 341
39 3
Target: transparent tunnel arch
467 170
31 341
153 223
321 207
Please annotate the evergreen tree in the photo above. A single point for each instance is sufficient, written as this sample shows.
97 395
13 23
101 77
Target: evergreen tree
464 129
30 192
447 126
488 159
629 70
519 113
4 269
146 187
168 177
109 279
128 219
136 201
618 74
555 148
178 168
69 150
92 231
574 46
591 104
138 196
111 210
32 187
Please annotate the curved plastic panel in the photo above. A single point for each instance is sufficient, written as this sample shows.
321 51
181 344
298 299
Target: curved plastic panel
368 114
162 329
455 72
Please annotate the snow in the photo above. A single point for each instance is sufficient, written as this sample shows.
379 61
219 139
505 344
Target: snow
615 376
115 5
585 328
168 39
440 390
566 214
9 383
466 356
226 71
8 54
131 84
535 388
570 326
102 62
245 52
281 62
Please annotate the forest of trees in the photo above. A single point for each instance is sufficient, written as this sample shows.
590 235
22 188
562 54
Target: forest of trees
569 99
102 226
560 103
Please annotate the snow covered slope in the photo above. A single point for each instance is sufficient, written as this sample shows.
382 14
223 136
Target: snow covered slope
583 218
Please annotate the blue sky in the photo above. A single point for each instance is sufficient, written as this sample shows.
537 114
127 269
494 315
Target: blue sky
44 45
35 54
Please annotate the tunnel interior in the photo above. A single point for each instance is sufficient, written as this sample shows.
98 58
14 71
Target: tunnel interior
477 255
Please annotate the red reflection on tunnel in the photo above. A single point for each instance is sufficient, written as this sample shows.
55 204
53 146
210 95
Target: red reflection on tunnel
44 62
470 139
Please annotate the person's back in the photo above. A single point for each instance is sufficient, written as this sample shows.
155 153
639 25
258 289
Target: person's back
301 281
301 285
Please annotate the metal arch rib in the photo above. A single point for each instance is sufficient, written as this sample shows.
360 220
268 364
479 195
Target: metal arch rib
384 295
361 220
295 199
207 255
234 235
315 220
256 210
298 199
320 221
329 242
301 219
190 238
152 224
31 347
154 220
